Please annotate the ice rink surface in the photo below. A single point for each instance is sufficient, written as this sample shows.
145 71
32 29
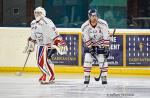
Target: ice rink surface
71 86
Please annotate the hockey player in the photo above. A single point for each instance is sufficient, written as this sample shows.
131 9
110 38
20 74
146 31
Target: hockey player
95 34
44 34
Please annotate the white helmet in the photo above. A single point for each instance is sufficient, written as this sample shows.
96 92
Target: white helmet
41 10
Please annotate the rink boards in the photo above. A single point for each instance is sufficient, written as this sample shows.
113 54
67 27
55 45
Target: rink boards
130 49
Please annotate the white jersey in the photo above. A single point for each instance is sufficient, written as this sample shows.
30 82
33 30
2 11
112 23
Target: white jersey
44 31
95 36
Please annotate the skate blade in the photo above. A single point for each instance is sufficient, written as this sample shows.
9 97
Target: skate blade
45 83
86 85
51 82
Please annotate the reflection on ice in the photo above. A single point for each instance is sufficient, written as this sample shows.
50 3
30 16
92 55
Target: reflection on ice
72 87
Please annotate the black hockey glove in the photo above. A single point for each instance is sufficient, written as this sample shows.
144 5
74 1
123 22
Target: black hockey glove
106 52
91 50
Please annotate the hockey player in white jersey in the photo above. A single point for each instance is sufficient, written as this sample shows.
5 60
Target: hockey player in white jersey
95 34
45 35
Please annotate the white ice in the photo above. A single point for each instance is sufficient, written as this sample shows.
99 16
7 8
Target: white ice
71 86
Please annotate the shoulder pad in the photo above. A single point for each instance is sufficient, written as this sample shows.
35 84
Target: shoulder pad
103 22
84 25
33 22
47 20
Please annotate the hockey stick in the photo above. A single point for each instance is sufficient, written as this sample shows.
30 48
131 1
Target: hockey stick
95 58
98 78
20 73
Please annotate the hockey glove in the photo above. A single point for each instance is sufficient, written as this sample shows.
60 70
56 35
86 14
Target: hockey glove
60 46
106 52
61 49
91 50
30 47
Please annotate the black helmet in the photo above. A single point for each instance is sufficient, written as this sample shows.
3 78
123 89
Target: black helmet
92 12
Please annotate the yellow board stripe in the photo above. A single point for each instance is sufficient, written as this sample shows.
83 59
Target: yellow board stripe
77 69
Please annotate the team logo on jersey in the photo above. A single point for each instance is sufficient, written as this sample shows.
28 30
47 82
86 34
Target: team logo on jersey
93 33
39 36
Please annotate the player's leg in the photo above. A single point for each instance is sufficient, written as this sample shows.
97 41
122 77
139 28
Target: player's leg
46 65
103 67
52 71
87 67
41 62
50 53
49 67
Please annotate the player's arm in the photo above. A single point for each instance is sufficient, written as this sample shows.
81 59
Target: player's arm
58 43
31 41
85 36
87 41
30 45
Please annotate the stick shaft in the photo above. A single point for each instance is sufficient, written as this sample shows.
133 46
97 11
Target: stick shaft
98 78
25 62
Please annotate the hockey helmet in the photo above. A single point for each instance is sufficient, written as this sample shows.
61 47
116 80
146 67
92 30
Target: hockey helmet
92 12
41 10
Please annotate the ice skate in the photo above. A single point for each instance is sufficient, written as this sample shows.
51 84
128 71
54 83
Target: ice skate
42 77
43 81
52 81
87 80
46 81
104 79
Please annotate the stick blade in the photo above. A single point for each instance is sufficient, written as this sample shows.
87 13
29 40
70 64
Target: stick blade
96 79
18 73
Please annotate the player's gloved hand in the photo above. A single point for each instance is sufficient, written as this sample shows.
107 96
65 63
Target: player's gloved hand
61 47
106 52
30 47
91 50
